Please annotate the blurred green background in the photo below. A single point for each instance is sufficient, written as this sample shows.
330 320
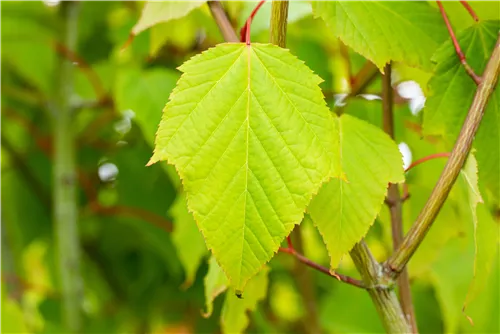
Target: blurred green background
142 259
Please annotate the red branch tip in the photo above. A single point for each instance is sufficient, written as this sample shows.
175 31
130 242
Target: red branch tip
458 50
470 10
427 158
245 30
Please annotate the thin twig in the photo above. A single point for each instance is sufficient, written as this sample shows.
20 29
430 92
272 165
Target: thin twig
458 50
306 285
324 270
395 203
220 17
132 212
395 264
86 69
363 78
470 10
427 158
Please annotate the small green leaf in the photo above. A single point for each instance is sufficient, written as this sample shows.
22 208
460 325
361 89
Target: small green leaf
234 318
451 94
405 31
215 284
343 211
187 239
163 11
485 232
252 141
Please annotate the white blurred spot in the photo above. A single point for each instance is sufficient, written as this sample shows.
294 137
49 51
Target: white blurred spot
370 97
51 3
125 124
121 143
107 172
340 100
406 153
411 90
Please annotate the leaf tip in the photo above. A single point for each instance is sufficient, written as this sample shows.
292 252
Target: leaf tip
152 161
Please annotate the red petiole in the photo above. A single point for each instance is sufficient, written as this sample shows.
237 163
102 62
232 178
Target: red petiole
245 30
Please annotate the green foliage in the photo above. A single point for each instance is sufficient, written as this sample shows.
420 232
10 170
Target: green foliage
246 150
405 31
156 12
248 161
344 210
451 94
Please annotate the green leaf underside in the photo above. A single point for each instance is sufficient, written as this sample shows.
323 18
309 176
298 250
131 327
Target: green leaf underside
342 210
405 31
249 133
485 232
187 239
452 92
215 283
234 317
157 11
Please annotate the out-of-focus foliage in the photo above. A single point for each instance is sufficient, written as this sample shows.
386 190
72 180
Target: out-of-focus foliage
145 265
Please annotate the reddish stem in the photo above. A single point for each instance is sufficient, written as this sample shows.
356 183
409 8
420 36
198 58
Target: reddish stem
324 270
427 158
470 10
458 50
289 241
245 30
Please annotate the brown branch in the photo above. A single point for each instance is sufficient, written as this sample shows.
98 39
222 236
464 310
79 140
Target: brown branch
383 296
86 69
324 270
305 284
458 50
363 78
395 203
223 22
397 262
132 212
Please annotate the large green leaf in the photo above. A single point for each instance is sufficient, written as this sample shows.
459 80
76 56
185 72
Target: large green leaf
452 92
343 211
163 11
234 317
249 133
406 31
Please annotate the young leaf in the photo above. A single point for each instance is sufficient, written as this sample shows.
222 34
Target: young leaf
343 211
158 11
405 31
215 284
485 232
249 133
451 94
187 239
234 318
